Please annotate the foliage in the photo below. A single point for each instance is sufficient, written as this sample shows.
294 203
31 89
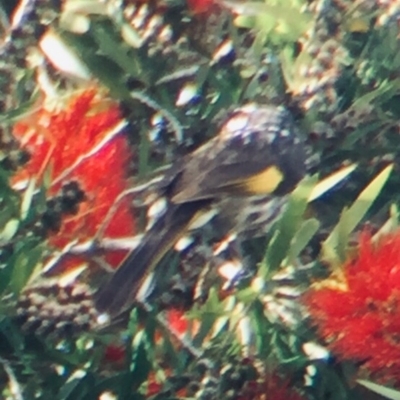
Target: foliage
167 78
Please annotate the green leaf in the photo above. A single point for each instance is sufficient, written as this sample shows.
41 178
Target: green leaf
142 354
386 90
287 21
287 226
104 68
24 265
388 393
9 230
261 327
390 225
362 132
336 243
394 215
27 199
140 364
23 106
8 117
331 181
117 51
12 334
302 237
70 387
208 314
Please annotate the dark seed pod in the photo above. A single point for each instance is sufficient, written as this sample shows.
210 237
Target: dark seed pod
59 311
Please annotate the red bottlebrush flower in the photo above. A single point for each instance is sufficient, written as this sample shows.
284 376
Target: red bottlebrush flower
153 388
178 325
177 321
204 8
81 141
361 320
201 6
115 354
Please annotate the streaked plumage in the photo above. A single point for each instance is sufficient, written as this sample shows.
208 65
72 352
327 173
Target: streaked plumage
254 161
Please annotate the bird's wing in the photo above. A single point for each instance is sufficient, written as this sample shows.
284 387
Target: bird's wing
231 169
120 291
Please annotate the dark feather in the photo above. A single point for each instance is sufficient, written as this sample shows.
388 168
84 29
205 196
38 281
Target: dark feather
120 291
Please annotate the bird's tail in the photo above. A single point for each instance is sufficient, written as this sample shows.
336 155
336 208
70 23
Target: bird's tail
120 291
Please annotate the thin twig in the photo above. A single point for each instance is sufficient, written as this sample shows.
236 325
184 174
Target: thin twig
173 122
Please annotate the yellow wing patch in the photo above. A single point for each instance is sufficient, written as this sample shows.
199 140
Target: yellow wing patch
264 182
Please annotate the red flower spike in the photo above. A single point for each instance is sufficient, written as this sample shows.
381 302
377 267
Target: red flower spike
177 321
115 354
81 142
362 323
177 324
201 6
204 8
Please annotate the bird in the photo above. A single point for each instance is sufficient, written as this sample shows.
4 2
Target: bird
240 177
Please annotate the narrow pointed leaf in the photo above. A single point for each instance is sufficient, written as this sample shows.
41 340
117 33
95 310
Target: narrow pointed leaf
382 390
289 224
351 217
306 232
330 181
